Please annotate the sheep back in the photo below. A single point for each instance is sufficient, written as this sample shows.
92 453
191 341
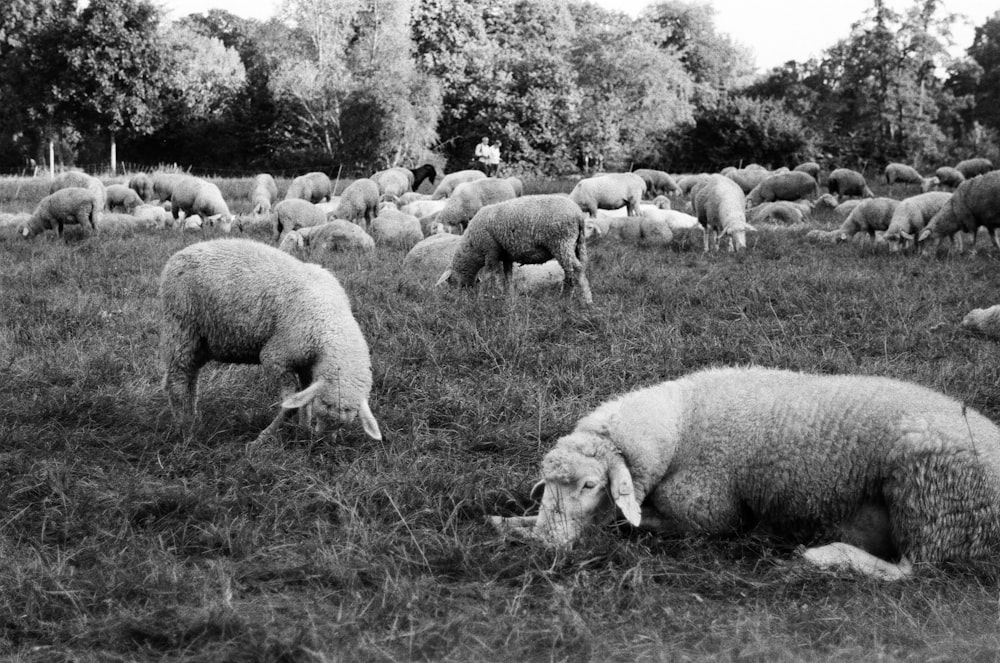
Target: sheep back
912 215
393 181
972 167
869 216
610 191
142 184
901 172
395 228
73 205
314 187
79 179
469 197
847 182
975 203
658 182
450 181
949 177
295 213
119 196
359 201
792 185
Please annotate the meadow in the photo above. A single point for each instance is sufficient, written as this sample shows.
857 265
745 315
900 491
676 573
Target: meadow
126 537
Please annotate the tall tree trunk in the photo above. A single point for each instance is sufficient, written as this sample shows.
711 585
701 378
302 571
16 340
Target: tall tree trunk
114 155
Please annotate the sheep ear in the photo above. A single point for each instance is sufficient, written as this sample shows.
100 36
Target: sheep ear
368 421
623 491
537 491
443 277
304 397
924 234
905 235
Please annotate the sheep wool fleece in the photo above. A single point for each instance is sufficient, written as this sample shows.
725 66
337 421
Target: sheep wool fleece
805 453
240 301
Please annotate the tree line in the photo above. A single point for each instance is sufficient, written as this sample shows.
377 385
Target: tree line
353 86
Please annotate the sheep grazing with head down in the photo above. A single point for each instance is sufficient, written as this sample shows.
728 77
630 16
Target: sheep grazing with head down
846 182
332 235
295 213
263 194
239 301
451 181
792 185
983 320
901 172
869 216
611 191
949 177
142 184
121 197
528 230
910 217
972 167
975 203
393 182
195 196
469 198
809 167
314 187
73 205
658 182
79 179
720 205
359 202
891 472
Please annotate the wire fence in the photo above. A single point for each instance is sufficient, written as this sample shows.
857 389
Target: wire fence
126 168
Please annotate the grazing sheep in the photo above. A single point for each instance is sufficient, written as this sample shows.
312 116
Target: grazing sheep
869 216
78 179
359 201
528 230
450 181
973 167
611 191
515 184
119 196
748 178
469 198
792 185
314 187
394 228
240 301
688 182
70 205
888 469
900 172
782 211
983 320
333 235
720 205
975 203
949 177
411 197
658 182
421 173
911 216
811 168
263 194
295 213
163 184
846 182
393 182
142 184
193 195
122 224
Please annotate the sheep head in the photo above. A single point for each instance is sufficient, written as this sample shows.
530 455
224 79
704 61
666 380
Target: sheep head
580 489
326 405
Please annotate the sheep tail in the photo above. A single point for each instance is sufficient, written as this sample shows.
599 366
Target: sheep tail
581 239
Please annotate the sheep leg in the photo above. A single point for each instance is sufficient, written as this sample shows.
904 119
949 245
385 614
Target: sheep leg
183 356
843 555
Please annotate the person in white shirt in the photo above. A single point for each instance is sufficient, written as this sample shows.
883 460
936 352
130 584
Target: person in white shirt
483 154
493 162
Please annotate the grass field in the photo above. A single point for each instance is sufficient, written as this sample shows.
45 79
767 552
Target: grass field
124 537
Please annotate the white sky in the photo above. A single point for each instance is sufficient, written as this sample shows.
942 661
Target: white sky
776 30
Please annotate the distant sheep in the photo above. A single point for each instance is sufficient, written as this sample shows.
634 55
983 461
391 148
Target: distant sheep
972 167
263 194
193 195
142 184
911 216
333 235
975 203
120 197
610 191
891 472
901 172
871 215
719 204
658 182
314 187
747 178
393 182
811 168
846 182
295 213
782 211
949 177
359 202
528 230
469 198
73 205
239 301
450 181
792 185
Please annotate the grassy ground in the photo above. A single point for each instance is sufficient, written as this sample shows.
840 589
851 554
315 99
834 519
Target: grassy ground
124 537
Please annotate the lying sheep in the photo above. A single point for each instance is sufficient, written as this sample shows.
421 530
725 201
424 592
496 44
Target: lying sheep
73 205
792 185
193 195
159 217
891 471
528 230
115 223
871 215
431 255
983 320
121 197
975 203
422 208
949 177
295 213
782 211
610 191
658 182
314 187
900 172
263 194
78 179
412 197
452 180
332 235
142 184
972 167
359 201
846 182
911 216
395 228
469 198
240 301
720 205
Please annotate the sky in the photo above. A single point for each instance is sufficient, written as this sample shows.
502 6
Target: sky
775 30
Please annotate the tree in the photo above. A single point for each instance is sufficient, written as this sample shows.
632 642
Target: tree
985 50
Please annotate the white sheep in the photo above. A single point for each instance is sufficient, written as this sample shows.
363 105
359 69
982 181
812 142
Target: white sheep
468 198
76 178
610 191
121 197
528 230
983 320
901 172
781 211
949 177
73 205
411 197
163 184
359 202
240 301
193 195
972 167
295 213
747 178
393 182
332 235
431 255
157 215
658 182
846 182
263 194
395 228
975 203
422 208
888 469
314 187
792 185
516 184
809 167
870 215
142 184
910 217
719 204
450 181
114 223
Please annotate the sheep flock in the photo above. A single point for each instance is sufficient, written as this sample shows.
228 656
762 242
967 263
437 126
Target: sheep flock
875 475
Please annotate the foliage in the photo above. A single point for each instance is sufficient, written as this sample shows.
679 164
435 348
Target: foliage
985 52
